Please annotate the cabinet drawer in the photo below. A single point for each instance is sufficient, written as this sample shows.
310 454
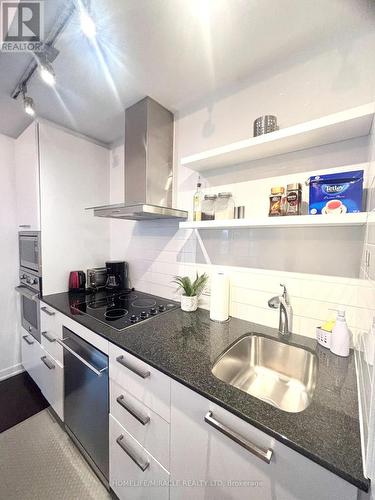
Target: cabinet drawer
31 353
148 385
146 426
51 329
52 382
134 474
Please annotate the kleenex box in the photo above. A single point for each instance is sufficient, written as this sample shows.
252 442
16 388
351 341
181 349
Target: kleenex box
336 193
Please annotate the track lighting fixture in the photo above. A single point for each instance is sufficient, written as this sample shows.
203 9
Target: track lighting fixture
46 72
28 102
87 23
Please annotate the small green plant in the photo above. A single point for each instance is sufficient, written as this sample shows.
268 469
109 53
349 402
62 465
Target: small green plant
191 288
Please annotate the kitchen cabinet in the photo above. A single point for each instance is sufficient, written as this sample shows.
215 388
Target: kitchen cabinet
209 459
27 179
51 331
31 352
134 473
52 382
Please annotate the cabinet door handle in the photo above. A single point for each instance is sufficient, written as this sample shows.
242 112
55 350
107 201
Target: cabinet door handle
142 464
264 455
45 310
24 225
48 337
47 362
143 419
141 373
27 340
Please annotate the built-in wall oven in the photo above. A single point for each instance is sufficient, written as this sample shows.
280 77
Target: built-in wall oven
29 290
30 251
30 279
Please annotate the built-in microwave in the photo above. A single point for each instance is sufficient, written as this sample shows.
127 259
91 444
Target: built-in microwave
30 250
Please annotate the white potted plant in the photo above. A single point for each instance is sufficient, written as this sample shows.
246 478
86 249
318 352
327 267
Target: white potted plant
191 290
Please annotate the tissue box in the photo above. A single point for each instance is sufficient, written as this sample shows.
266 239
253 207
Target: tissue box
336 193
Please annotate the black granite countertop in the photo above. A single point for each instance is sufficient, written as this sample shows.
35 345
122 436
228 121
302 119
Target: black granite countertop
185 346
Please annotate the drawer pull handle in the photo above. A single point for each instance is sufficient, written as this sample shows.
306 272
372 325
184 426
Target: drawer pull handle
264 455
47 362
45 310
27 340
143 419
142 464
48 337
137 371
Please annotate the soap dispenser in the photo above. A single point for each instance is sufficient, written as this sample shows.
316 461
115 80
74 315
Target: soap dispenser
340 340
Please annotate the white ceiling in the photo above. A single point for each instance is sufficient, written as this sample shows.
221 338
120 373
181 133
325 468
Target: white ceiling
180 52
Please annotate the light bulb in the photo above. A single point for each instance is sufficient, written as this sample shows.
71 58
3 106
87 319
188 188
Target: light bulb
47 74
87 24
28 104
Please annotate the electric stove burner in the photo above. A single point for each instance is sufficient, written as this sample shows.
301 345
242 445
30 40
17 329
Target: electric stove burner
123 309
117 313
127 296
144 303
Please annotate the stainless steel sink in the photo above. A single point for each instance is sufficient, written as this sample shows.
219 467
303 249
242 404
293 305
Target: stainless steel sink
280 374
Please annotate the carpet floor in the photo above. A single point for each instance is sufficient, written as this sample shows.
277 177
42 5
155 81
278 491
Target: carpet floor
38 461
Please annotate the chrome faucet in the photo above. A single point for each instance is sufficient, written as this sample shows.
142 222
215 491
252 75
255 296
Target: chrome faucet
282 303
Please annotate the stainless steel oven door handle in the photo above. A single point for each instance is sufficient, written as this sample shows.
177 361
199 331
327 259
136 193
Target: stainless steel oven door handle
264 455
142 464
48 363
143 419
26 292
27 340
141 373
96 371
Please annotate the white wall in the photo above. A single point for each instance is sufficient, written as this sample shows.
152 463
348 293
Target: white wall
9 338
320 267
73 176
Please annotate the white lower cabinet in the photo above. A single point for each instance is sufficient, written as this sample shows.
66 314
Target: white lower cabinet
52 382
51 330
210 460
31 352
46 372
134 473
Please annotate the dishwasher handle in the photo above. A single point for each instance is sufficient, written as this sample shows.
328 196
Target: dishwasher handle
89 365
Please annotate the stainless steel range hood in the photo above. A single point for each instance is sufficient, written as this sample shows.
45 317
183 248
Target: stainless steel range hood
148 165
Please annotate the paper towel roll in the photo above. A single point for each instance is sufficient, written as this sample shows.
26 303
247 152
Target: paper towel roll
219 303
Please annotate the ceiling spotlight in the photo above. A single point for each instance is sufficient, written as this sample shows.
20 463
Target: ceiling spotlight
87 24
46 72
28 104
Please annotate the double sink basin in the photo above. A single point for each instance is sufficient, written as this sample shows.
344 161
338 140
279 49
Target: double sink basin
278 373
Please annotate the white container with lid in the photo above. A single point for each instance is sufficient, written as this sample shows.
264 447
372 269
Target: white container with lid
224 206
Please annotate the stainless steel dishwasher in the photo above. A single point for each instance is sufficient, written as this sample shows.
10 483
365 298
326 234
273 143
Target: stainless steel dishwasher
86 401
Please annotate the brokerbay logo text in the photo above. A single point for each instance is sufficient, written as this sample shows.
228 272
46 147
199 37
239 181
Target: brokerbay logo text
21 26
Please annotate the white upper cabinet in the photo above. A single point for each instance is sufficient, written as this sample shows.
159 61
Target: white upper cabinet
27 179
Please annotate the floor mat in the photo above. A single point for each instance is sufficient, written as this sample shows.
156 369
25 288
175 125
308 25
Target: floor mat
20 398
38 461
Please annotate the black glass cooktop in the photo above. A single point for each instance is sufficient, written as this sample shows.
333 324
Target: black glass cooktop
123 309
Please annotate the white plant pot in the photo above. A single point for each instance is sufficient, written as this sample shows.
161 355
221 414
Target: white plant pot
189 304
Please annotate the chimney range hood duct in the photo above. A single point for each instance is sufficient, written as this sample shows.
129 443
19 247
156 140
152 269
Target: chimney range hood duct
148 165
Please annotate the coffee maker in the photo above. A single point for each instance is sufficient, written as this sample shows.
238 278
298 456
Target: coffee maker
117 275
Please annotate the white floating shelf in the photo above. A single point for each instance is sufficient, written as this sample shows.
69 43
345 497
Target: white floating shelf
354 122
358 219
